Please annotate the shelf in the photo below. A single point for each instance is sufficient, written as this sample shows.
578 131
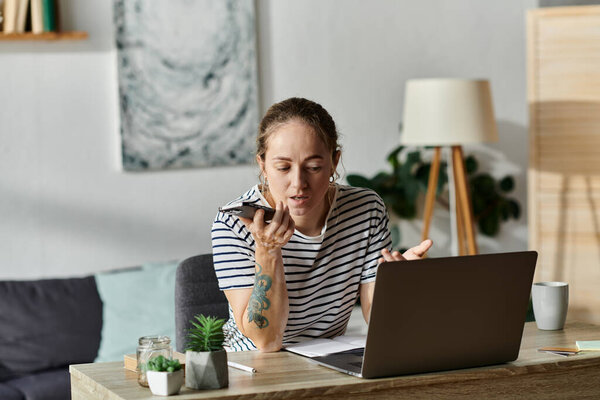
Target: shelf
75 35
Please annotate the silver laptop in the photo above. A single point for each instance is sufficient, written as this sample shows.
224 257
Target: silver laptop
443 313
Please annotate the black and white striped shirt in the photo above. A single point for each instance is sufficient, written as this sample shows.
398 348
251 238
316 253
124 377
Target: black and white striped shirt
322 273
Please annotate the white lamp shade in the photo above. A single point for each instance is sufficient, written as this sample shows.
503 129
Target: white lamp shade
447 112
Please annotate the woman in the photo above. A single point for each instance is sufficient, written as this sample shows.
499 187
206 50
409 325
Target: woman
298 277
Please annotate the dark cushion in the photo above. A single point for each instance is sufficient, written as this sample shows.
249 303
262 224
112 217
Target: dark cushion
196 292
50 323
47 385
9 393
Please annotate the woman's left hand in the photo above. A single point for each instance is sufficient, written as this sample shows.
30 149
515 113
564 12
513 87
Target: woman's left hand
414 253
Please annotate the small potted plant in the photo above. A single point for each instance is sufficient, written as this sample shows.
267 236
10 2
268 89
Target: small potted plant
164 375
205 358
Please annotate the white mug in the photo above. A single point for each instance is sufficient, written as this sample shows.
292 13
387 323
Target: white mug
550 304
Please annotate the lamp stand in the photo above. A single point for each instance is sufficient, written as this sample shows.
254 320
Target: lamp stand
464 212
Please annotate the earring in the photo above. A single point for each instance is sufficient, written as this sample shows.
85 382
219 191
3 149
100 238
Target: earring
332 179
264 184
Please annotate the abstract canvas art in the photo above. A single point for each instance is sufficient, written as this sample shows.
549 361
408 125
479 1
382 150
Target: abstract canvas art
187 82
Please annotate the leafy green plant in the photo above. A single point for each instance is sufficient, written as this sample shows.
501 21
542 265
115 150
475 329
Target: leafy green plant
491 206
400 188
409 176
206 334
161 363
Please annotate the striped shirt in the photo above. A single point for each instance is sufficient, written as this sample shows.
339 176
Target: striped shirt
322 273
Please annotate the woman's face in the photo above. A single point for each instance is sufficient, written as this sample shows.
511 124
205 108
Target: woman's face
297 166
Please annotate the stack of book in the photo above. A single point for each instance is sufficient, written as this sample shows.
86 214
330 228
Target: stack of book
582 346
588 345
37 16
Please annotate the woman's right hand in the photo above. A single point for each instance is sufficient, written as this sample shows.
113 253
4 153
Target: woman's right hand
265 325
273 235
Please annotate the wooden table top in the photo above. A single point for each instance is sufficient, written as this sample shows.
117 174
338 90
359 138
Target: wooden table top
286 375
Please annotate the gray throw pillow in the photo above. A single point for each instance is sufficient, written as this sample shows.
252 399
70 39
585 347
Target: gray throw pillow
48 323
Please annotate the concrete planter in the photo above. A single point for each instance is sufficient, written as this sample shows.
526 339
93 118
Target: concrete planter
164 383
206 369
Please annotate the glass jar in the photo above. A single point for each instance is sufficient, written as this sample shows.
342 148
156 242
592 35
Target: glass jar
150 347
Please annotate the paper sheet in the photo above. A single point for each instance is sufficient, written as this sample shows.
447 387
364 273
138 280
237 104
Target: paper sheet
321 347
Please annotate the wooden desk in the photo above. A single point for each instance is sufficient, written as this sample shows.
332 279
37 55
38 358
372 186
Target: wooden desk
283 375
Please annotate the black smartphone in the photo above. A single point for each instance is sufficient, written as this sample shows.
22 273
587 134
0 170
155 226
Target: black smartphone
247 210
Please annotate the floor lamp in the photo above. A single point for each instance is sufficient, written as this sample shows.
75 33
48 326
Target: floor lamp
449 112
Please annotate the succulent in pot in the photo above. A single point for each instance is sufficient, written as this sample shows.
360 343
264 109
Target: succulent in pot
165 376
205 357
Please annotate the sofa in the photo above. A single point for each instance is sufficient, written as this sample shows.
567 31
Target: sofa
46 325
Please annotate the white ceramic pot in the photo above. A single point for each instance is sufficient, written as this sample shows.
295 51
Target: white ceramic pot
164 383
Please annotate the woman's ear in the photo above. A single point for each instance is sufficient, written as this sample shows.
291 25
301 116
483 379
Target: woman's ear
261 164
336 159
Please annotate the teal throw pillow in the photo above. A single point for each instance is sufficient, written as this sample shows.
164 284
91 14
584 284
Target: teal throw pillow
136 303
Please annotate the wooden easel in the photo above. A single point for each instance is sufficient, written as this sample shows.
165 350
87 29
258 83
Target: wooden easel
464 212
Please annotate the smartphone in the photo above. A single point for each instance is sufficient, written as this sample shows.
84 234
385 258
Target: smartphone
247 210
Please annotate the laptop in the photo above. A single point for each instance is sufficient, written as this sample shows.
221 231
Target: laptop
440 314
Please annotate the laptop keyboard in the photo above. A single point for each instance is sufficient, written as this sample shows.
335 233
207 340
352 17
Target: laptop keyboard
357 352
345 361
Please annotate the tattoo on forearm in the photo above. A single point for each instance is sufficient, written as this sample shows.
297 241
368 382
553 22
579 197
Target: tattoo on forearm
258 300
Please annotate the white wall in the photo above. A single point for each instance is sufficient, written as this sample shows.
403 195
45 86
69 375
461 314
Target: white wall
67 209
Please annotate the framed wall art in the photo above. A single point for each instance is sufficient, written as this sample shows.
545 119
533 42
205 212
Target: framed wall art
187 82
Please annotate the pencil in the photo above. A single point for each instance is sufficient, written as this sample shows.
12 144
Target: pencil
240 366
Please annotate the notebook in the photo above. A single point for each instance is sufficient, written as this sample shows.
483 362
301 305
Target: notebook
588 345
444 313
